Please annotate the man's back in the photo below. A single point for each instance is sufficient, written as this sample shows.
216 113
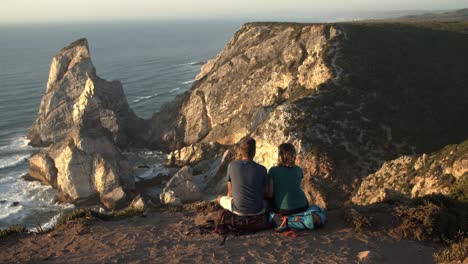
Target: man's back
248 180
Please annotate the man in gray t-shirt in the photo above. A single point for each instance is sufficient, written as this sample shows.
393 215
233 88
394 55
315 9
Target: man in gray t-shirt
246 182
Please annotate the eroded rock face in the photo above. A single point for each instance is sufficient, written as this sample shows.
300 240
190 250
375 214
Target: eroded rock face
72 79
415 176
259 68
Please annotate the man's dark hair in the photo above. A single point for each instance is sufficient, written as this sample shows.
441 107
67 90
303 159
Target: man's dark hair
286 155
247 148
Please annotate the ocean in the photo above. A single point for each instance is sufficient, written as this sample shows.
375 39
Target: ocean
155 61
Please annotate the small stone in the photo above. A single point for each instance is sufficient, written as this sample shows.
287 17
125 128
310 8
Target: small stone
169 198
368 256
364 256
14 204
138 203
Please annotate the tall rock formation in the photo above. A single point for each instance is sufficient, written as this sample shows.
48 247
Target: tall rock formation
349 97
83 119
71 74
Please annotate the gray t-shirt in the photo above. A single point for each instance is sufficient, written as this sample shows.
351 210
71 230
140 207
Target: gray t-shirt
248 179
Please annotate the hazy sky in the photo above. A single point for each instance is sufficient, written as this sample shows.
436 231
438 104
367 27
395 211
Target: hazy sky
24 11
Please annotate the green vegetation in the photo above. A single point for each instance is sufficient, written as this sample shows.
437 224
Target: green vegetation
428 218
203 206
80 214
460 189
14 229
412 77
456 251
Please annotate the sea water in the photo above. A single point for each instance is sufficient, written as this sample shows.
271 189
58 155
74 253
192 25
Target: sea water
155 61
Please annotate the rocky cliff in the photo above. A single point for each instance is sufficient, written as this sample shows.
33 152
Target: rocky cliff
349 97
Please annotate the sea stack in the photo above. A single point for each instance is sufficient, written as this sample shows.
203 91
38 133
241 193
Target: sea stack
83 120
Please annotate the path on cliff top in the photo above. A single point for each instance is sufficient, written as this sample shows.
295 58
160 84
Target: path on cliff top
159 238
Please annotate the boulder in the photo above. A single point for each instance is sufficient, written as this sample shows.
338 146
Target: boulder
42 168
182 187
88 166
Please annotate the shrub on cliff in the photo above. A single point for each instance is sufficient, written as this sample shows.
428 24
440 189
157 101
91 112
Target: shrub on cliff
457 251
14 229
429 218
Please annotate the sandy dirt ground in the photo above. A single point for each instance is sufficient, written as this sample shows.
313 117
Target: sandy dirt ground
160 238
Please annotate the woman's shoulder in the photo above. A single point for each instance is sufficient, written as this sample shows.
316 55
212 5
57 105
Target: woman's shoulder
281 168
297 168
274 169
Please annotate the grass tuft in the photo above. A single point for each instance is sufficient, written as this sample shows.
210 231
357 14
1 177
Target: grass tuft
203 206
80 214
457 251
14 229
428 218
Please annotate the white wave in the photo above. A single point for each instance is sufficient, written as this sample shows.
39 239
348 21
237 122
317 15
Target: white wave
175 89
152 173
141 98
19 143
192 63
36 201
13 160
9 210
187 82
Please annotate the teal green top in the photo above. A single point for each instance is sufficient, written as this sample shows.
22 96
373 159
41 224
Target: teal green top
287 191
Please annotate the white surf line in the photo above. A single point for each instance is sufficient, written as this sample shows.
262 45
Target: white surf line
142 98
187 82
13 161
18 143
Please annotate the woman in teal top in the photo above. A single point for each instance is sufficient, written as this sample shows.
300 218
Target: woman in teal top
286 178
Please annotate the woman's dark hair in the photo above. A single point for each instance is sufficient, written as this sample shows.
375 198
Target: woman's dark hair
247 148
286 155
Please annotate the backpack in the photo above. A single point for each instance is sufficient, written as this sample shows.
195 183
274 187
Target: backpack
229 222
299 221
